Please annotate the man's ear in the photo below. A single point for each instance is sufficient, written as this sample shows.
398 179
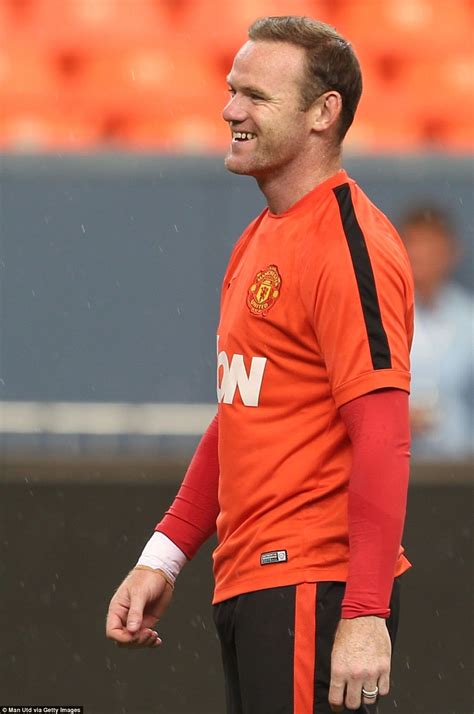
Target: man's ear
326 110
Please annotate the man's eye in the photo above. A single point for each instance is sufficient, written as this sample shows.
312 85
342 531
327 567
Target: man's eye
255 96
231 91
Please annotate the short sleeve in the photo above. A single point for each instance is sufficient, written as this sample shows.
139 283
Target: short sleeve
358 293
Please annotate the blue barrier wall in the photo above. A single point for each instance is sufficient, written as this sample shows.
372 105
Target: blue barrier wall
111 266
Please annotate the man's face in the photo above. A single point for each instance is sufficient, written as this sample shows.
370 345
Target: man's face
265 86
432 254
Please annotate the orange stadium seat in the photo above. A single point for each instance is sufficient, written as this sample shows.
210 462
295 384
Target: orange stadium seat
442 97
44 130
219 29
9 22
192 133
457 136
395 133
154 79
438 97
383 125
446 87
383 120
80 24
152 72
411 28
27 78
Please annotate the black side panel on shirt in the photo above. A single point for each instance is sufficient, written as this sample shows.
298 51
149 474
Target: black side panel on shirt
378 342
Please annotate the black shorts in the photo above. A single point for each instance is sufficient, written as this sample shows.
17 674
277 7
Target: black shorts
276 647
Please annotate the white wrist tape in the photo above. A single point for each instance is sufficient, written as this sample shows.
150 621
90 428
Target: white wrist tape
160 553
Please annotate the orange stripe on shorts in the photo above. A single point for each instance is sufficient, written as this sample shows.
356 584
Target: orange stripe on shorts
305 648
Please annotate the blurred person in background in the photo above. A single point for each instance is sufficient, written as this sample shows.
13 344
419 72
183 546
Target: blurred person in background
305 467
442 388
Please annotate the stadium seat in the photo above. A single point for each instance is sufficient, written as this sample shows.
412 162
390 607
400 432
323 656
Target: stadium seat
43 130
85 24
384 120
194 133
447 87
12 20
440 100
150 77
219 29
412 28
457 136
393 133
138 71
27 79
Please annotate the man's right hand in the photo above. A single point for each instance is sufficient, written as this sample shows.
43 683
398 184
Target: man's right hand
137 605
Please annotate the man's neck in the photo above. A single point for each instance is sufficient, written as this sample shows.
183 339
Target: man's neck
285 188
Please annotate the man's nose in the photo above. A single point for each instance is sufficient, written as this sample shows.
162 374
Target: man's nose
234 110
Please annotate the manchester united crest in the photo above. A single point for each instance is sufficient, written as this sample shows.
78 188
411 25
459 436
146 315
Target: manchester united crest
264 291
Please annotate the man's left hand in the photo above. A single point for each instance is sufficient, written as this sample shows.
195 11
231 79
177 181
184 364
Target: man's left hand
360 659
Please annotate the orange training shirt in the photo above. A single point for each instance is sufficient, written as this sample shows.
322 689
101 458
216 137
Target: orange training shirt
316 310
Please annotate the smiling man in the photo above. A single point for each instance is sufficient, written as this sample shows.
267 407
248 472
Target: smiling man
304 469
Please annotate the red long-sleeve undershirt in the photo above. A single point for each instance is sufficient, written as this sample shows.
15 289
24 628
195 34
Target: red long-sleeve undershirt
377 425
191 518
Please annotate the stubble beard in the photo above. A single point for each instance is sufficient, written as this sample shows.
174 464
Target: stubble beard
263 161
248 166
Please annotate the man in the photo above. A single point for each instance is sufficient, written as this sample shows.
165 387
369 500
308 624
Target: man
442 395
305 466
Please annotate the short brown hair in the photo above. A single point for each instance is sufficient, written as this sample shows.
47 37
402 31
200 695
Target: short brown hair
331 61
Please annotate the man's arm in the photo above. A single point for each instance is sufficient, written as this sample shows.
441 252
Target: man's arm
191 518
378 427
146 592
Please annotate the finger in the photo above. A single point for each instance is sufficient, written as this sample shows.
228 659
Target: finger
353 694
122 637
115 627
144 637
116 615
146 642
116 623
141 639
115 630
384 684
336 693
149 638
135 613
369 686
155 640
149 620
112 623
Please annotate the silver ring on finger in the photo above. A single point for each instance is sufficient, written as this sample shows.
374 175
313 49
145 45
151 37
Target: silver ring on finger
370 695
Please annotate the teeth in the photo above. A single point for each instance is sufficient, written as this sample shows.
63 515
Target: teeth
243 135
